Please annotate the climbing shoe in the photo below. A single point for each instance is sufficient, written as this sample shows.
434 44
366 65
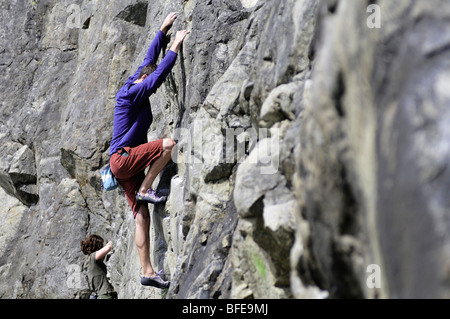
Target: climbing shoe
155 281
150 197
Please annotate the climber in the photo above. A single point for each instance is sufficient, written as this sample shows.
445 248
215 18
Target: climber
131 154
93 247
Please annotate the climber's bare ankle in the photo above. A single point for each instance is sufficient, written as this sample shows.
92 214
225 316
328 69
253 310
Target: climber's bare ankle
149 274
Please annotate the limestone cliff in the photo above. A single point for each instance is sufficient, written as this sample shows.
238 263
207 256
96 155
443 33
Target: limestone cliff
311 146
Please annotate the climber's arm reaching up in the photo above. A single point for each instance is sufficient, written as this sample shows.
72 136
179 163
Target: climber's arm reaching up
179 38
148 84
101 253
152 53
155 47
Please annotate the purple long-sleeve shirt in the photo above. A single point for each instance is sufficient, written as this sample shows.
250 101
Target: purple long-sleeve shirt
132 114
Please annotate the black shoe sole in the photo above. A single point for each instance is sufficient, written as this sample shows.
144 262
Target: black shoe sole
149 282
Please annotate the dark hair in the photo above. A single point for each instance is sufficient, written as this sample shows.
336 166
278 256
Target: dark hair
91 244
148 69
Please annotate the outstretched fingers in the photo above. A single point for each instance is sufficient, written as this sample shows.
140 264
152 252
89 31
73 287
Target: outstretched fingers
168 21
181 35
171 18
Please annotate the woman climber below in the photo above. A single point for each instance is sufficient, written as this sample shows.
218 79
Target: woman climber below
92 246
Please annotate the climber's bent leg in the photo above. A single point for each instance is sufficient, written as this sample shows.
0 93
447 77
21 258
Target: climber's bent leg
158 165
146 193
129 161
128 165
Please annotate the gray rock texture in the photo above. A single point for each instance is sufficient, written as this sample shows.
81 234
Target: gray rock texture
311 148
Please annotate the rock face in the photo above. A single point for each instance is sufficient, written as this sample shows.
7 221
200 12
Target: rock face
311 160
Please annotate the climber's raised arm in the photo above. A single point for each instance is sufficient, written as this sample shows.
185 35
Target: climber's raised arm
101 253
152 54
179 38
149 83
155 47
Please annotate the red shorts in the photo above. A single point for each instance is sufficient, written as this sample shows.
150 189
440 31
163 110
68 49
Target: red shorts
129 170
